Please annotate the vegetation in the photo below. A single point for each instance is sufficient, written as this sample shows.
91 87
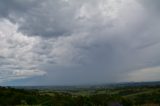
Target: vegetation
122 96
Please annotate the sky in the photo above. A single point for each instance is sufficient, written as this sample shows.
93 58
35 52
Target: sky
74 42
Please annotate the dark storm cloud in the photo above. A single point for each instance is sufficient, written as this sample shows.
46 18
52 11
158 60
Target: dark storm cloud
52 18
87 41
12 7
152 5
42 18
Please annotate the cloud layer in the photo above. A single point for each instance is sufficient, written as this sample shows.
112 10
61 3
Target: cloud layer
79 42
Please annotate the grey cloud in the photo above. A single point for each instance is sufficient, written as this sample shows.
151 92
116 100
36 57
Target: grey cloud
87 41
16 58
109 53
52 18
152 5
38 17
9 8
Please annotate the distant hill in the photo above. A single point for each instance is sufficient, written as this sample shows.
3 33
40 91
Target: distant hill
110 85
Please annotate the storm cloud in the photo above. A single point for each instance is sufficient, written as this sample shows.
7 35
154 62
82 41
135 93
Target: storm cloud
79 42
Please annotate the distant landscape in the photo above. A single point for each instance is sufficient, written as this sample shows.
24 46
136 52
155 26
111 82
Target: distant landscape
121 94
79 52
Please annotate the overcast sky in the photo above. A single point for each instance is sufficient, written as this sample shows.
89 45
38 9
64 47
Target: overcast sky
71 42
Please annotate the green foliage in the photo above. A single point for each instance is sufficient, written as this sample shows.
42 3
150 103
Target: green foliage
128 96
